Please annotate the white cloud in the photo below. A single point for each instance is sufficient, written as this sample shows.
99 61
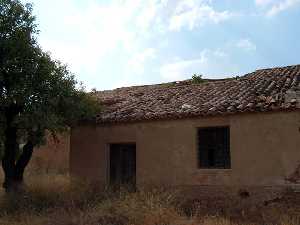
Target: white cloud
192 13
246 44
136 63
150 13
89 32
181 69
82 36
282 6
220 53
210 63
276 6
101 38
263 2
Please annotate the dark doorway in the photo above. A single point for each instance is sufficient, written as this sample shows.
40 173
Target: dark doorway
123 165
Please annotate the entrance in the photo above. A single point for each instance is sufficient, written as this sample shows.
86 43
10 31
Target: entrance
123 165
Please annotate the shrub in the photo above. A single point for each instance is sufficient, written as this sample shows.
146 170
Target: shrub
197 79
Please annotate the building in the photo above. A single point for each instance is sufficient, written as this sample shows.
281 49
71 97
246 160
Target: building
240 133
51 158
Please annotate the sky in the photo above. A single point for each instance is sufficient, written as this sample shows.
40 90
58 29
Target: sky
116 43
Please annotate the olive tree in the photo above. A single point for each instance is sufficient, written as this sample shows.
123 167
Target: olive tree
37 93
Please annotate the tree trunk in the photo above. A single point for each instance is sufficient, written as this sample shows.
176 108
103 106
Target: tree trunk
8 160
13 170
23 162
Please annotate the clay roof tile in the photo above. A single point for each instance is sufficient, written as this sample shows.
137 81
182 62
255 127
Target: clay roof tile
262 90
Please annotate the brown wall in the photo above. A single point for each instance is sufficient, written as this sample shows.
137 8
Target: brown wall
265 149
53 157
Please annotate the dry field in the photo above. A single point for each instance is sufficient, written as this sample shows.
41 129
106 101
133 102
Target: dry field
49 200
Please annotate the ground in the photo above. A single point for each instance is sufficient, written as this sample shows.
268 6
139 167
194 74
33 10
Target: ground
50 200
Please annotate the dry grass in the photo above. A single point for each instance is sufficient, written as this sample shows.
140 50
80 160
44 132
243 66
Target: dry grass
49 200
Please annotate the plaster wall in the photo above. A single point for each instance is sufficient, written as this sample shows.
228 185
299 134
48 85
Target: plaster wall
265 150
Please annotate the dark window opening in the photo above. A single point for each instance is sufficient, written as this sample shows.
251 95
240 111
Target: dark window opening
214 148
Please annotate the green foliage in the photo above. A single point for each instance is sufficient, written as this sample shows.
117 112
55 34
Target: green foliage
197 79
44 92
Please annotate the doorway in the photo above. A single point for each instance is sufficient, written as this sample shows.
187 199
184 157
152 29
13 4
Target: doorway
123 165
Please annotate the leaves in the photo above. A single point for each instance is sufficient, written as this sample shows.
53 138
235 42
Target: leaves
44 92
197 79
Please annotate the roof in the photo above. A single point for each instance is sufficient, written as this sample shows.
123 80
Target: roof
260 91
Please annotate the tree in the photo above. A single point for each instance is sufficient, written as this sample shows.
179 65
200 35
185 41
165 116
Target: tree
37 94
197 79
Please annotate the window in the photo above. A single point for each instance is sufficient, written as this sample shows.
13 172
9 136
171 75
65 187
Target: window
214 148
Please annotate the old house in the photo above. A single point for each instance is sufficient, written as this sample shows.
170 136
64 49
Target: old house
241 132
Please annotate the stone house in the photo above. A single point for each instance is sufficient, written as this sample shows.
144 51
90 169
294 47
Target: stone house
241 133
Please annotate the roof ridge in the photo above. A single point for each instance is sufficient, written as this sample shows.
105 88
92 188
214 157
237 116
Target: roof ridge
277 67
186 81
206 80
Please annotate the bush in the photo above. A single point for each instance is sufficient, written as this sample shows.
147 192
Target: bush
197 79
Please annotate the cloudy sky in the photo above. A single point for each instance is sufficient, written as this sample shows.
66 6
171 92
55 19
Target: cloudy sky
115 43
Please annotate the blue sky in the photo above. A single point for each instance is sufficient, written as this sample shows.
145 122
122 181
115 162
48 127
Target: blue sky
109 44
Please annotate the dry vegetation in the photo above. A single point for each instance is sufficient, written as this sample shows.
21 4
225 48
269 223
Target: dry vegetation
49 200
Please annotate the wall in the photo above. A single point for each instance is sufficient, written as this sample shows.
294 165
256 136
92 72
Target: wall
53 157
265 150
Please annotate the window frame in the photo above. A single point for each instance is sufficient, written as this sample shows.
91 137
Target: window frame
226 165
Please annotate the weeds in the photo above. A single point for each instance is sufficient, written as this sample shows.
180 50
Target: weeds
50 200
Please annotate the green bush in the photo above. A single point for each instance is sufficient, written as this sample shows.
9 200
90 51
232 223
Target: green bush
197 79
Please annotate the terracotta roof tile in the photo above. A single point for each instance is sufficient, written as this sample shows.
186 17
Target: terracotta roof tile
260 91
